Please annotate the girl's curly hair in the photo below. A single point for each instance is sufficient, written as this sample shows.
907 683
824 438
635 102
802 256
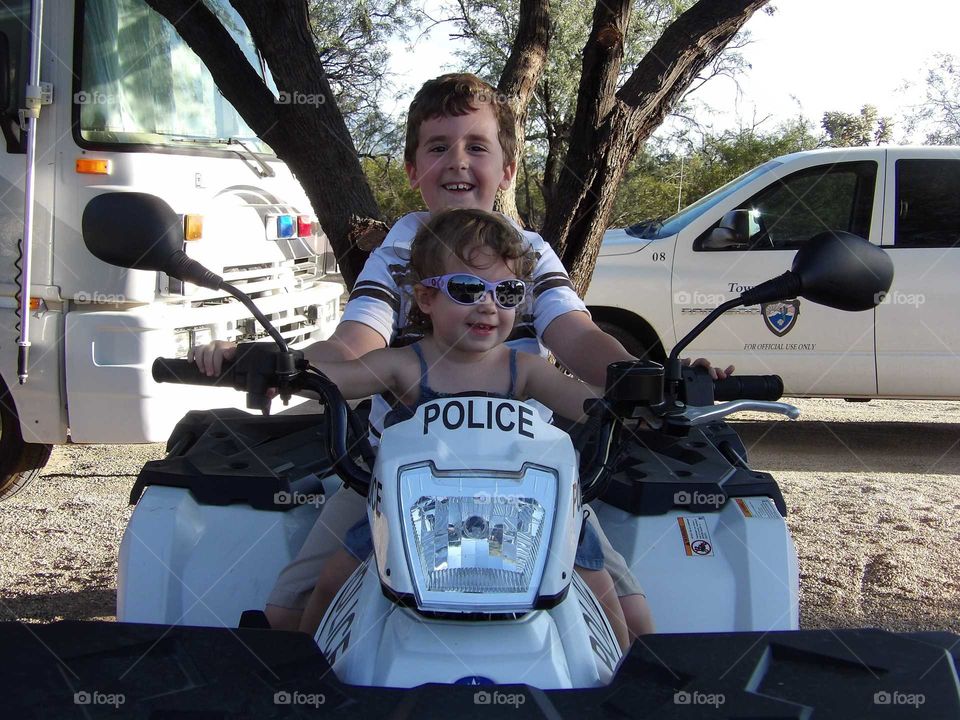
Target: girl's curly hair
460 232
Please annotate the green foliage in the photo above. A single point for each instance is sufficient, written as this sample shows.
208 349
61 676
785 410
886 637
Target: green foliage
660 175
530 203
939 115
488 28
856 130
391 187
352 38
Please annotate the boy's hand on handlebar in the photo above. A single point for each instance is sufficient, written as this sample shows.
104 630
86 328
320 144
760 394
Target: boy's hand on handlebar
715 372
210 357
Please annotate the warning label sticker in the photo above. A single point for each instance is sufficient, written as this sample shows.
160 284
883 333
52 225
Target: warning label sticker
758 507
695 535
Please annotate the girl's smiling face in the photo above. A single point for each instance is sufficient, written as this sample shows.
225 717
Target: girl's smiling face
469 328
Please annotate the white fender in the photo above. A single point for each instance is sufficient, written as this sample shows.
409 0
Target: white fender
370 640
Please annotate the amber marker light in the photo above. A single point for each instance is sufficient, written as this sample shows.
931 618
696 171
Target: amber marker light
91 166
192 227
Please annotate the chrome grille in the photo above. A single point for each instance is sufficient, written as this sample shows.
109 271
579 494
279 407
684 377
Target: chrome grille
261 280
296 326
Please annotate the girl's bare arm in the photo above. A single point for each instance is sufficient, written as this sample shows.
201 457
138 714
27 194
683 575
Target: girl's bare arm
375 372
559 392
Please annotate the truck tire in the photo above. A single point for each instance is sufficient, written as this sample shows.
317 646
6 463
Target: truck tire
20 462
630 343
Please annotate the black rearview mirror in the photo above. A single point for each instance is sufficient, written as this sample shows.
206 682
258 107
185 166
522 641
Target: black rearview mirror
843 271
141 232
836 269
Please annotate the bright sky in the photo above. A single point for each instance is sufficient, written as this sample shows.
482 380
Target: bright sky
822 54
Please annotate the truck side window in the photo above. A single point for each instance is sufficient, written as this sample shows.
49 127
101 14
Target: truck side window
928 212
15 66
791 210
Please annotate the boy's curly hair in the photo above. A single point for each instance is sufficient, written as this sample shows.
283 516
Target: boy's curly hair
460 232
457 94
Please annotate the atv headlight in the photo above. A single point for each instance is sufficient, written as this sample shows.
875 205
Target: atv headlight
477 542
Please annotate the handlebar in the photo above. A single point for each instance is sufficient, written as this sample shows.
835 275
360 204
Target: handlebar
260 366
184 372
748 387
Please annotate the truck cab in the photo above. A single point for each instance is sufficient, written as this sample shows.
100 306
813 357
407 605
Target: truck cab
128 107
653 283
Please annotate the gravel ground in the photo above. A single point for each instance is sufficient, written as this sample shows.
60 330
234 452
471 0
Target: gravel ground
873 492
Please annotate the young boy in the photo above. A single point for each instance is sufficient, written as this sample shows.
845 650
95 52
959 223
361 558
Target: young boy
460 150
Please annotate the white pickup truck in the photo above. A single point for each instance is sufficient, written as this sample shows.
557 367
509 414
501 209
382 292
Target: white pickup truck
654 281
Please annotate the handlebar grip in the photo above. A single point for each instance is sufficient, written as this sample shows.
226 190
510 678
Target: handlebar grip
748 387
184 372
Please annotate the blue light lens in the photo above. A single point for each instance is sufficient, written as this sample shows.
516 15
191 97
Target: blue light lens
286 226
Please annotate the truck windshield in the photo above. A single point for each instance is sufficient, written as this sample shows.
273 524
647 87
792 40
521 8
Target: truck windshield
140 82
676 223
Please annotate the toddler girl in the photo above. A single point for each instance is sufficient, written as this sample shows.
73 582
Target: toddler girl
467 271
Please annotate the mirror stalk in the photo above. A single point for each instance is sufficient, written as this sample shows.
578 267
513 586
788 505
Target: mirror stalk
185 268
672 375
785 286
255 311
779 288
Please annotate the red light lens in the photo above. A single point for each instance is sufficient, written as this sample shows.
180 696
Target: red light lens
304 226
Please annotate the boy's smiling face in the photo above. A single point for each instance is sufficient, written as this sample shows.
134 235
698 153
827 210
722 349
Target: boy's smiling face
459 161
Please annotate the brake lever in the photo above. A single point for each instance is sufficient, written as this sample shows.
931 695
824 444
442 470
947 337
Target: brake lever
702 415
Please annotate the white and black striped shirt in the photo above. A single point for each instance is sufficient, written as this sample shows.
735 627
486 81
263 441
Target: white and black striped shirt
379 301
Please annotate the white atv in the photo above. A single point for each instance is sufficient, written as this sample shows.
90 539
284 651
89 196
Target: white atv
475 504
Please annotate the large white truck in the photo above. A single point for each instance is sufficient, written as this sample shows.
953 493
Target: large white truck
655 281
125 105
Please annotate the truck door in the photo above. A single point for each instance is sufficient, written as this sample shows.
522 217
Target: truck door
817 350
917 332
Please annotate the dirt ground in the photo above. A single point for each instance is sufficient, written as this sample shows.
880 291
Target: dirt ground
873 493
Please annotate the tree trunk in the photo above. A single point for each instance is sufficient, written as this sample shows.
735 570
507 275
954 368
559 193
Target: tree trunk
307 130
610 126
523 69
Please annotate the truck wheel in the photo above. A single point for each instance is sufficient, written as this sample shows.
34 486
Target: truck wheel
631 344
20 461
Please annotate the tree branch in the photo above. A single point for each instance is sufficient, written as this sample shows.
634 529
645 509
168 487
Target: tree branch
528 57
608 129
282 32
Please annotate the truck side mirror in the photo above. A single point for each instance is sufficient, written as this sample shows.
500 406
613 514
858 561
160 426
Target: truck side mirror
732 232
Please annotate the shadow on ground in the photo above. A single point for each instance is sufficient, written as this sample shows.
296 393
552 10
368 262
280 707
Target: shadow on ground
899 447
87 604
